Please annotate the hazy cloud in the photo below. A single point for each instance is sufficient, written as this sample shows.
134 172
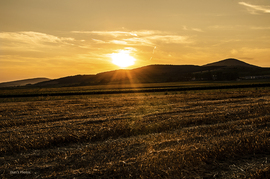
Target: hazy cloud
224 27
253 9
248 50
136 41
144 37
18 40
107 33
192 29
32 37
234 51
99 41
173 39
197 29
120 42
260 28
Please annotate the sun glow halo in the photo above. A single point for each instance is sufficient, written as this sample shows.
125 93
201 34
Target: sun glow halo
122 59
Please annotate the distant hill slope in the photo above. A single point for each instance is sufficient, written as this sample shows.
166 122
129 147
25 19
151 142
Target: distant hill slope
228 69
151 73
230 62
23 82
147 74
231 68
67 81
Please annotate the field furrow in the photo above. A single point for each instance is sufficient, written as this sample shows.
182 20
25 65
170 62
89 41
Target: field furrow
210 134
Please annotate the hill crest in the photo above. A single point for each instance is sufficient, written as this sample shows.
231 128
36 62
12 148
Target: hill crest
230 62
228 69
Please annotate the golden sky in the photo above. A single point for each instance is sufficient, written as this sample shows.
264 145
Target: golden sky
57 38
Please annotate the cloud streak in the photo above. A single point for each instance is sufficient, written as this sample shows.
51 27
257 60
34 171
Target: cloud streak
29 41
144 37
260 28
192 29
169 39
32 37
253 9
117 33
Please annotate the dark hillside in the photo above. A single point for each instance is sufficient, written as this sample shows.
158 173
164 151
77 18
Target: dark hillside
228 69
151 74
68 81
23 82
231 69
147 74
167 73
231 62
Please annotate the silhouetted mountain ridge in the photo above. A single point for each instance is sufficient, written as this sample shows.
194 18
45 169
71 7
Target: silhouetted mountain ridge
228 69
231 62
67 81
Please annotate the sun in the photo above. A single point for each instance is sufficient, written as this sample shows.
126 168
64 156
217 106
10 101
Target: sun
122 59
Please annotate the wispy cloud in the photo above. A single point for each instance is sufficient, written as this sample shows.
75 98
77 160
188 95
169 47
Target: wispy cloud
169 39
260 28
18 40
107 33
99 41
139 41
120 42
254 9
192 29
197 29
32 37
144 37
116 34
225 27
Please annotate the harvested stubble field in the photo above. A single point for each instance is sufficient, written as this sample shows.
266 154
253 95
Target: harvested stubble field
211 134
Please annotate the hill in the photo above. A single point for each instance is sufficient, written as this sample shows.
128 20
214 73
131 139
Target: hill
23 82
149 74
228 69
232 69
67 81
146 74
231 62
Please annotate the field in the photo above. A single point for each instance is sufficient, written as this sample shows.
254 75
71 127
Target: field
117 88
187 134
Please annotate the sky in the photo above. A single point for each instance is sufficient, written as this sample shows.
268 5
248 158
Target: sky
58 38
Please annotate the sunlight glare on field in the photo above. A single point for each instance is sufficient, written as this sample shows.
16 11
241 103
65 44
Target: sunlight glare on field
122 59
